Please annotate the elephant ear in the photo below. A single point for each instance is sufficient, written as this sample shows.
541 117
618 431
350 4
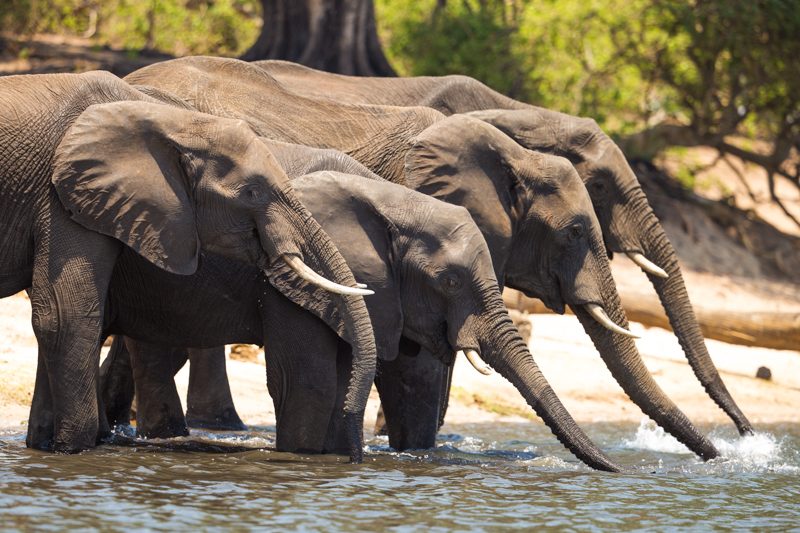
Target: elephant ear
119 171
348 210
468 162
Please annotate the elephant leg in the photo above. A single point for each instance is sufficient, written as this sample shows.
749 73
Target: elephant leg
159 413
72 270
447 382
209 401
301 374
116 383
41 420
336 440
410 388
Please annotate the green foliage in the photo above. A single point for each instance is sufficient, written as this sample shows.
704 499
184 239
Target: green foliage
714 67
718 67
178 27
554 54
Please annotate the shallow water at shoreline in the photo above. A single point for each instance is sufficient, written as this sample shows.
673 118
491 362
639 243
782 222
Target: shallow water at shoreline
484 476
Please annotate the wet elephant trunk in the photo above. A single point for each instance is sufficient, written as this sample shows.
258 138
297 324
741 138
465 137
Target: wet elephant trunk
321 254
625 363
507 353
675 300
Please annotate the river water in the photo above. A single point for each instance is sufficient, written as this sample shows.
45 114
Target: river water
482 477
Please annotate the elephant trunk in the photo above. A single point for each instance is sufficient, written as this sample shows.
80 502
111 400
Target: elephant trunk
515 363
625 363
321 255
675 300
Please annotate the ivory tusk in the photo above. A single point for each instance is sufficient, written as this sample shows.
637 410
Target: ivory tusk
305 272
361 286
599 314
647 265
475 360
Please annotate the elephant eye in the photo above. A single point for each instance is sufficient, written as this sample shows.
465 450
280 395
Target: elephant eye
451 283
598 187
575 231
250 194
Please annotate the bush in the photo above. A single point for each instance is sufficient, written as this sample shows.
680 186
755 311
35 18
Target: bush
177 27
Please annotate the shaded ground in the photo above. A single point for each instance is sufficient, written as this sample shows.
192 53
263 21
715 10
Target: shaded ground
44 54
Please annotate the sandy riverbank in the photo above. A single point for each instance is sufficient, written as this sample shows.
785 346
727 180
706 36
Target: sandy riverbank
559 345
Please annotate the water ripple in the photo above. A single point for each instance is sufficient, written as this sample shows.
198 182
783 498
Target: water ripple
482 477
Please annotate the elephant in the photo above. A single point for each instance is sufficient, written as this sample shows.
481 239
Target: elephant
629 225
434 287
209 400
92 169
468 163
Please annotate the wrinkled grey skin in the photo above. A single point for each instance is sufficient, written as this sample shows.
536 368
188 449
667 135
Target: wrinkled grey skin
628 222
209 401
469 164
434 285
91 169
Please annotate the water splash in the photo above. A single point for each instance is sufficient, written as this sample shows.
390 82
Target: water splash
650 436
753 453
759 452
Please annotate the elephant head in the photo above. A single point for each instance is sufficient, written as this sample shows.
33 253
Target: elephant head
168 181
545 241
434 285
628 222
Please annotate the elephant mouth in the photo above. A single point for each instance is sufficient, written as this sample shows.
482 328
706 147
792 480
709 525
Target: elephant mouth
434 340
243 245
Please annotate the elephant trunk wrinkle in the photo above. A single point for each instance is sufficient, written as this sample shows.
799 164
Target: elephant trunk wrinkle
516 364
626 365
675 300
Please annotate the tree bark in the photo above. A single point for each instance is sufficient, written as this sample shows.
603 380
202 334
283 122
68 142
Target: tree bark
780 331
333 35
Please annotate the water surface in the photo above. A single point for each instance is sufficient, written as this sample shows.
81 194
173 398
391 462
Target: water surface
483 476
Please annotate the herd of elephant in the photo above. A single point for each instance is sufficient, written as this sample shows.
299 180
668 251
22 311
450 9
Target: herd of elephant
361 229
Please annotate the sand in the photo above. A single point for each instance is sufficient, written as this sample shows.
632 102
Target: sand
559 345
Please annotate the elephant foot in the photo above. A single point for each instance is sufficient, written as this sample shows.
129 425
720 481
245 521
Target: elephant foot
71 448
163 432
226 420
40 436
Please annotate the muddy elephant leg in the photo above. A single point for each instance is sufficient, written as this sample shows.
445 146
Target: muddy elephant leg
72 270
209 401
301 374
116 383
410 388
159 413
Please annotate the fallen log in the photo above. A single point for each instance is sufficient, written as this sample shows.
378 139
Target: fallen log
780 331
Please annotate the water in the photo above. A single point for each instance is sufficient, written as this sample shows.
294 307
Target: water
484 477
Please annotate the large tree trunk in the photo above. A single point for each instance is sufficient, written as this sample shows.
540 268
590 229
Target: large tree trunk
332 35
